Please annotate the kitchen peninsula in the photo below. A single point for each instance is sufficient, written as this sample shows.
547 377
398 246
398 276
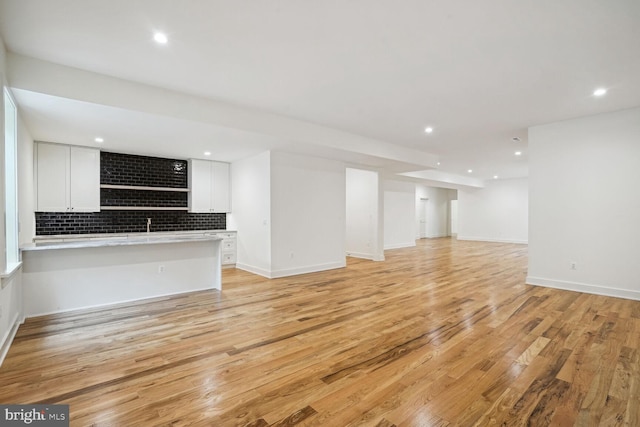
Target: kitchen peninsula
88 273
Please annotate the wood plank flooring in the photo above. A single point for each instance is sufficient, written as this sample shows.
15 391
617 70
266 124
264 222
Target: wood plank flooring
443 334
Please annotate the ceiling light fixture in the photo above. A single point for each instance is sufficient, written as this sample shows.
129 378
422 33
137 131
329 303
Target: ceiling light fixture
438 163
518 153
99 139
495 176
599 92
469 170
207 153
428 130
160 38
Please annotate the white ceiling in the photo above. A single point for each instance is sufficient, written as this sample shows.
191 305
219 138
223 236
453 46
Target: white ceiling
479 73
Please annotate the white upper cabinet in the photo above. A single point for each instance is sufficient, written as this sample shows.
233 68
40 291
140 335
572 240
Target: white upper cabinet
68 178
84 185
200 186
221 200
209 186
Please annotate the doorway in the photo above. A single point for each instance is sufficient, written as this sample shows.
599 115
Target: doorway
422 217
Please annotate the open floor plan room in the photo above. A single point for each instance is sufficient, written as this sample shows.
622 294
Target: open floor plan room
444 333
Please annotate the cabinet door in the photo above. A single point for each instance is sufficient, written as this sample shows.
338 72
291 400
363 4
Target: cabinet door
199 186
52 166
221 183
84 184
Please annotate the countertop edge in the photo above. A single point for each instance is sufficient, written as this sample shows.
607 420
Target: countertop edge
126 241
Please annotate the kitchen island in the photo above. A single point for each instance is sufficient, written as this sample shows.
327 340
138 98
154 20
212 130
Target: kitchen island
63 276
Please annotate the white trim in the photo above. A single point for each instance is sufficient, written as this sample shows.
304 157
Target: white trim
274 274
308 269
7 340
119 302
400 245
492 240
371 257
254 270
11 270
434 236
583 287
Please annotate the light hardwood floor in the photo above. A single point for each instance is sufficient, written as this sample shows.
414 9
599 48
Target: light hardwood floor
446 333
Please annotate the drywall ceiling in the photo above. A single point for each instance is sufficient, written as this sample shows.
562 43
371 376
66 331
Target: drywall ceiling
479 73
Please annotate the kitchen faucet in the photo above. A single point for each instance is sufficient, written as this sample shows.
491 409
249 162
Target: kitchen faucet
148 224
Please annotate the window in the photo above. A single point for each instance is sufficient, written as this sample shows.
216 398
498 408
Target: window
10 181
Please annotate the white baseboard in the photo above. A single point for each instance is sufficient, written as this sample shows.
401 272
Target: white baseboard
255 270
371 257
119 302
492 240
432 236
307 269
274 274
583 287
400 245
7 340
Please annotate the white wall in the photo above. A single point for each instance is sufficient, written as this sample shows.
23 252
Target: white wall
453 214
437 207
364 234
307 214
399 214
251 217
496 213
585 204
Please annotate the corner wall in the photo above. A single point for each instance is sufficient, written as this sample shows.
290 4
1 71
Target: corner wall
437 211
251 217
399 214
364 210
585 204
496 213
308 214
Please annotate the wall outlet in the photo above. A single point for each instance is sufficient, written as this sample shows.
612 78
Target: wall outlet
161 269
573 265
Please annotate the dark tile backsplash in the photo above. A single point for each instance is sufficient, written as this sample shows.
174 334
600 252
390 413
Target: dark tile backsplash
129 169
52 223
120 197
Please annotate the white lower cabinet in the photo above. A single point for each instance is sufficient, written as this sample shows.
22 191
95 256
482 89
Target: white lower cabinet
228 248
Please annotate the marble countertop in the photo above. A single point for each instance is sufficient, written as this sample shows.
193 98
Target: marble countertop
127 240
70 237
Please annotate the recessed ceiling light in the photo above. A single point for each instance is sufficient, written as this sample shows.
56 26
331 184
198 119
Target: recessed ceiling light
469 170
207 153
160 38
99 139
518 153
599 92
428 130
495 176
438 163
